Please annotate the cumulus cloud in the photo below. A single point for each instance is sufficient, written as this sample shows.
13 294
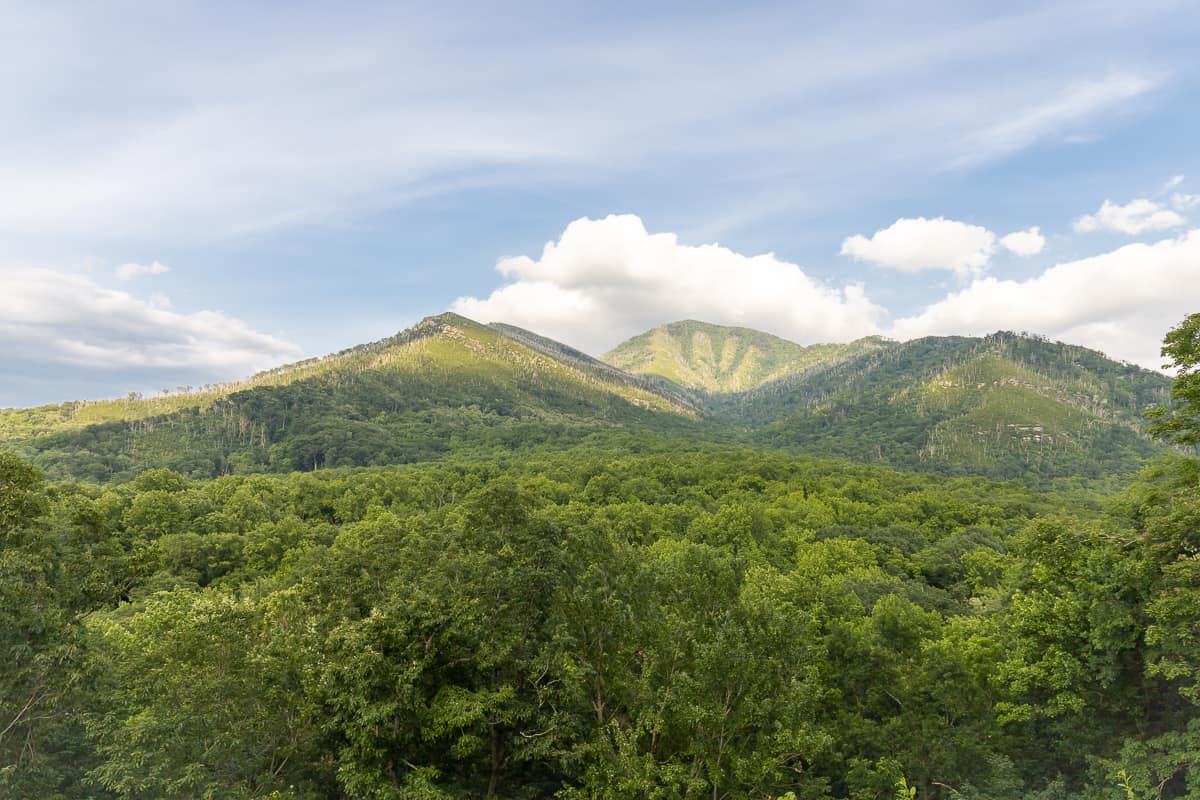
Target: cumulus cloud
1024 243
1135 217
129 271
913 245
605 280
1120 302
50 320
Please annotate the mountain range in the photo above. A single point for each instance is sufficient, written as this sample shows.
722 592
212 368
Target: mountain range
1005 405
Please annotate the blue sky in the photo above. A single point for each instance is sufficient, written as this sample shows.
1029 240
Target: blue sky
306 180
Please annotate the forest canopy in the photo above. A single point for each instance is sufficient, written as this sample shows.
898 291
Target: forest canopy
590 622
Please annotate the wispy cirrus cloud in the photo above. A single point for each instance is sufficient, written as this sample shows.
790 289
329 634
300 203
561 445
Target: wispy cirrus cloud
132 270
1065 113
218 134
1180 201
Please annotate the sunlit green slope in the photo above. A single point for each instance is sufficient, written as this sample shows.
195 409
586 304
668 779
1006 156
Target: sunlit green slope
1005 406
446 383
719 359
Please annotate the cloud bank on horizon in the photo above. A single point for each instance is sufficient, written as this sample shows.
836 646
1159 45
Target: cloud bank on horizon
70 321
605 280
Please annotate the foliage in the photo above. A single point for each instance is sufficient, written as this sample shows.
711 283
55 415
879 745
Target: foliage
1005 406
586 624
1181 348
618 614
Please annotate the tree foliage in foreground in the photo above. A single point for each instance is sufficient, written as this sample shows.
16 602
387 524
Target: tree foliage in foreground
725 624
1181 349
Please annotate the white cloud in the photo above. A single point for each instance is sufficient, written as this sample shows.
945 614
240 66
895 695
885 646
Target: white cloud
1183 202
54 319
1135 217
605 280
1024 243
913 245
1180 201
1121 302
129 271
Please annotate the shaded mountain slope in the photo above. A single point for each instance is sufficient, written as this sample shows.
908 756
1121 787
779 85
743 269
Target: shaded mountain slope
1006 405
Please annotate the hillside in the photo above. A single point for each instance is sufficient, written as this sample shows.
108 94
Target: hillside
568 355
446 383
1006 405
719 360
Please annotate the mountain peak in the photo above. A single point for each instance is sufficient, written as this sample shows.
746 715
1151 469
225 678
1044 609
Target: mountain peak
724 359
449 318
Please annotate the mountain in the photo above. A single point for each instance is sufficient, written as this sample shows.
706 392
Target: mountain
720 360
1003 406
445 384
569 355
1006 405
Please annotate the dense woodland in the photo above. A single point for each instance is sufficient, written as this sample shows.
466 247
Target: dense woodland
605 617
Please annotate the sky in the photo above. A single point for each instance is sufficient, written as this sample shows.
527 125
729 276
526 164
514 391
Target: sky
190 192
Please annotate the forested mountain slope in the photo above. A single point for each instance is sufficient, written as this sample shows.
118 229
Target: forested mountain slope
446 382
718 359
674 391
1006 405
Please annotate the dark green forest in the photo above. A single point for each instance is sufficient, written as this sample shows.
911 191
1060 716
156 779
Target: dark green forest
606 613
